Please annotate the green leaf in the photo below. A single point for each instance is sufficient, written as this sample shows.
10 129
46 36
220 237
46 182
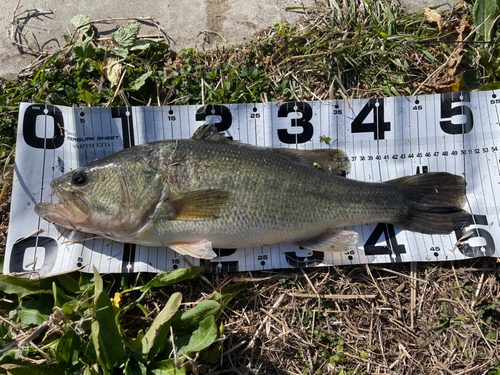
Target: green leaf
139 82
134 367
68 349
72 97
491 86
484 11
108 342
126 35
22 369
173 277
166 367
83 49
227 294
145 43
24 287
201 339
120 51
31 317
60 297
154 339
78 21
191 319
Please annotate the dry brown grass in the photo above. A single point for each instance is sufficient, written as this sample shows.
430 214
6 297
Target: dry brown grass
404 319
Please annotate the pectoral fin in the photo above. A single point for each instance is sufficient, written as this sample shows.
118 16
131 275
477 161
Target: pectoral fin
331 240
201 249
199 205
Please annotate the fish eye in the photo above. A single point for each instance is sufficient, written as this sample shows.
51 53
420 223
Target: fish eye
79 178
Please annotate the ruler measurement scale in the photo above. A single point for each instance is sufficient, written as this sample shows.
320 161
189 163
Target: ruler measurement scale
383 138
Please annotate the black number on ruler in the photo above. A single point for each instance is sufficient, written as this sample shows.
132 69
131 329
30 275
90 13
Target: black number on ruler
378 126
54 140
474 251
216 110
308 129
293 260
455 105
391 247
18 250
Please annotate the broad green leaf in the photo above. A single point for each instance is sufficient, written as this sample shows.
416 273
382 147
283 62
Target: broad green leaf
78 21
154 338
83 49
134 367
491 86
68 349
108 342
173 277
228 293
43 305
24 287
126 35
86 281
22 369
72 97
191 319
484 12
166 367
120 51
202 338
139 82
31 317
60 297
142 44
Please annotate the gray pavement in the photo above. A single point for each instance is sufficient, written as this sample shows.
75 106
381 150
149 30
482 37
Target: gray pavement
39 25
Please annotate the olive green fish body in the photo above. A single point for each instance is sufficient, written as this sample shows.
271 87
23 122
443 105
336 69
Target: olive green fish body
192 195
273 199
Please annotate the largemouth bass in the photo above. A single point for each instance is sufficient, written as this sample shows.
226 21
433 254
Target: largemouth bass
208 192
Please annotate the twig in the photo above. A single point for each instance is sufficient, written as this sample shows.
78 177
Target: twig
28 236
399 273
413 293
4 190
257 332
337 296
374 282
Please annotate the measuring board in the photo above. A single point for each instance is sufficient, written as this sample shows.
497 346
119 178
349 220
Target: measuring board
383 139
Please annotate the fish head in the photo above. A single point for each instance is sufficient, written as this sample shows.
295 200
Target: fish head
107 198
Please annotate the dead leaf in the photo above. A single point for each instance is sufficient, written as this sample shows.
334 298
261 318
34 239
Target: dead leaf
113 70
464 24
433 16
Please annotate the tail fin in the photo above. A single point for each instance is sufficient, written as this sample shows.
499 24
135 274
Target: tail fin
436 201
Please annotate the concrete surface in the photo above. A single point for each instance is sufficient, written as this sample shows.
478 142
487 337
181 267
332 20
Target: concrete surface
41 24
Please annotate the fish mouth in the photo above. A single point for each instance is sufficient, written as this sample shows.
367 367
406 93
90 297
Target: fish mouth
71 210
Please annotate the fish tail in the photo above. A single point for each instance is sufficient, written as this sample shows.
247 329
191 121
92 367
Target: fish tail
434 203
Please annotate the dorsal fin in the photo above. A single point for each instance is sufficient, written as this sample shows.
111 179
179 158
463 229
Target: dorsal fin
326 160
208 132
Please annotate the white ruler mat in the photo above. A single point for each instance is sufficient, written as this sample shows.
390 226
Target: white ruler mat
383 138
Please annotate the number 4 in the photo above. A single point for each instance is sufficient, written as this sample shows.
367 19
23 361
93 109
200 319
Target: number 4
378 126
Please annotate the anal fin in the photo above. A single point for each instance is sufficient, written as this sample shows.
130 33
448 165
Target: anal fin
331 240
201 249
